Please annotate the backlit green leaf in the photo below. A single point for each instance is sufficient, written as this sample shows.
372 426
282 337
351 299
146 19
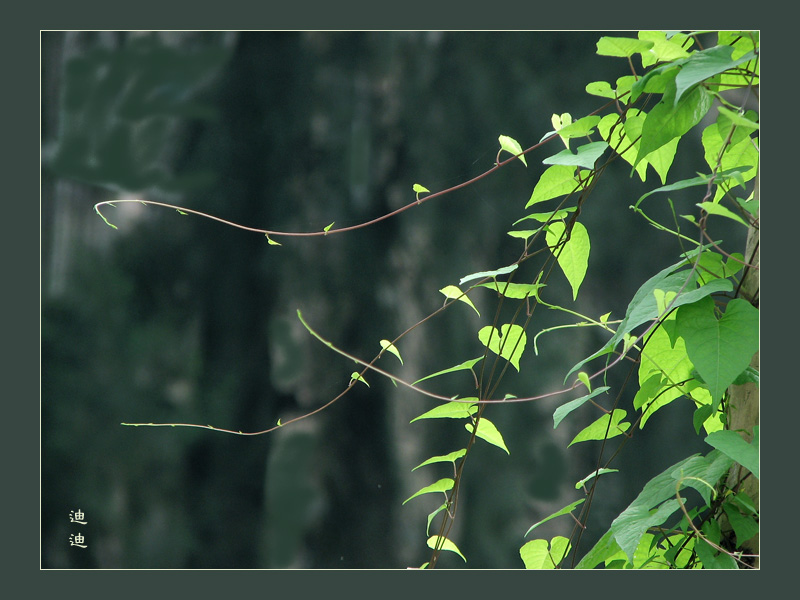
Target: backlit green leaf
622 47
390 347
444 544
557 180
572 256
465 366
443 485
450 410
488 432
509 342
606 427
519 291
452 457
355 376
455 293
512 146
538 554
600 88
717 209
564 511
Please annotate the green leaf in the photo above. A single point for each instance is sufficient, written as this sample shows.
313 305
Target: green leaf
488 432
606 427
450 410
564 511
271 241
493 274
556 181
357 377
705 64
444 544
524 234
585 156
512 146
443 485
661 159
431 516
668 120
600 88
455 293
719 349
643 307
650 509
537 554
744 526
749 375
390 347
518 291
327 228
717 209
452 457
592 475
605 548
573 256
545 217
747 121
508 343
619 137
581 128
621 47
700 180
465 366
420 188
584 379
734 446
563 410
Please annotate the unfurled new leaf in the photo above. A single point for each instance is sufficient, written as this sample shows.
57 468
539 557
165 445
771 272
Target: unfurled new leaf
355 376
512 146
455 293
390 347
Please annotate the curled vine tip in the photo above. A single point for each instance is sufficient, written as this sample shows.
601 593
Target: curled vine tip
102 216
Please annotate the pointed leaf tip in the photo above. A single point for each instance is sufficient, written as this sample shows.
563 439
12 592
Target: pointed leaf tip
512 146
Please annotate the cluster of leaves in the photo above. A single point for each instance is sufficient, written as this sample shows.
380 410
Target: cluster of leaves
685 329
692 338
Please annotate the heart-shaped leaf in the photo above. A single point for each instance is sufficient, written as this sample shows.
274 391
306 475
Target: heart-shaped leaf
719 349
509 342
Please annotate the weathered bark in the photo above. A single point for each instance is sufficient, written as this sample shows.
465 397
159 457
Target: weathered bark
743 408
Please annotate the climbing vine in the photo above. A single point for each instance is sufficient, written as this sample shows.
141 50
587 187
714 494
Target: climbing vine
690 332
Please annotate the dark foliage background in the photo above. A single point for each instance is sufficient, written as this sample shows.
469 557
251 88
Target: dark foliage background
180 319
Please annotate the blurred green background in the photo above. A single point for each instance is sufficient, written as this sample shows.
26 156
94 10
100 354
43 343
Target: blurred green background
176 318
